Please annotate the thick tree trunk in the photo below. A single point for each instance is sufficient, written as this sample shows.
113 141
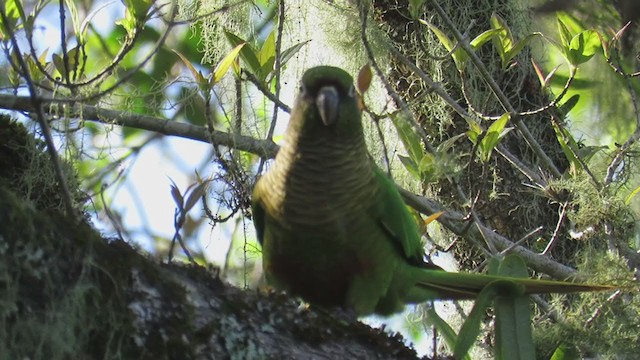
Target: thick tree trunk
67 293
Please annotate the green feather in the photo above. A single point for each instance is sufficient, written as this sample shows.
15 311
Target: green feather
333 227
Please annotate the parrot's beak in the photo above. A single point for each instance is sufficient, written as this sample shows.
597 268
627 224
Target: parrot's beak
327 102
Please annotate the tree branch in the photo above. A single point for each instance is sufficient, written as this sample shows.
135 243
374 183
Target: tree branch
263 148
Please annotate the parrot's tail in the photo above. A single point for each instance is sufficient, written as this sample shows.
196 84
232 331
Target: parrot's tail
442 285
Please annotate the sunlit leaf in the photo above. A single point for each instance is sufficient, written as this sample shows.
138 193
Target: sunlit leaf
268 49
583 46
13 11
459 56
226 62
474 132
565 35
248 54
504 41
427 163
635 192
197 75
484 37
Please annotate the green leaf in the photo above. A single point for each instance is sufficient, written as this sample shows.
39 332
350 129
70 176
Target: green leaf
474 132
197 75
516 49
34 70
504 41
75 20
459 56
14 12
415 7
512 266
448 144
569 104
471 327
409 138
493 136
571 22
224 65
485 37
72 64
128 23
567 142
267 56
288 53
565 35
450 337
635 192
410 165
248 54
427 163
565 352
514 339
268 50
583 46
138 9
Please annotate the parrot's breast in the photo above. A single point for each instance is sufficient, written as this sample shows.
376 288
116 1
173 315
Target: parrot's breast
317 222
320 188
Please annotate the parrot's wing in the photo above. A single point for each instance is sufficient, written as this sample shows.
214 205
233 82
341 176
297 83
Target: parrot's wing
396 221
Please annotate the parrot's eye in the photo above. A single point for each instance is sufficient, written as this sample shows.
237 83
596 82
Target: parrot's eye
352 91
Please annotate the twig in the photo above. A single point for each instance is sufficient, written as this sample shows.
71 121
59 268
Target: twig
277 67
403 106
268 94
454 221
276 77
613 166
556 232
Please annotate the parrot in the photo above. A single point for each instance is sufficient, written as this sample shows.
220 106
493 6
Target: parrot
332 225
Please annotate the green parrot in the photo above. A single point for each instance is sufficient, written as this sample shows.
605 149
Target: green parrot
333 227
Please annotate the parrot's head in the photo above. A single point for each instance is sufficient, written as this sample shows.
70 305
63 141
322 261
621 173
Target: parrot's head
327 104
